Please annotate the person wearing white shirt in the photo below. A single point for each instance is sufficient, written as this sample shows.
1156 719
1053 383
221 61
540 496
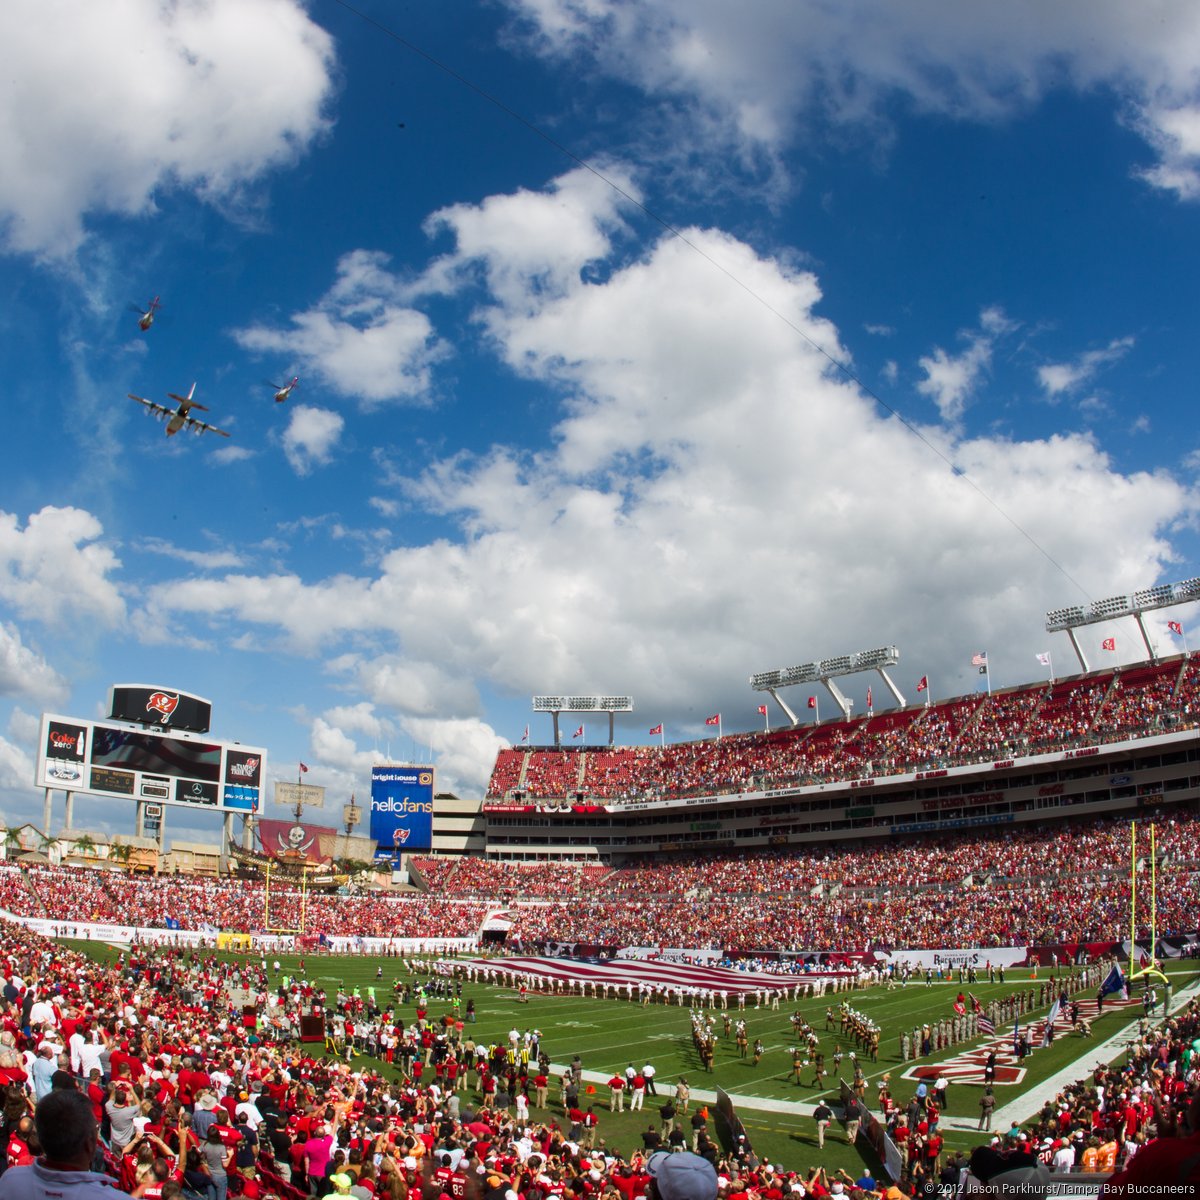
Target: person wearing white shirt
42 1013
1063 1161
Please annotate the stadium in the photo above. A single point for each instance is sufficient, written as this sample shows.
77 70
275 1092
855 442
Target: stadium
929 922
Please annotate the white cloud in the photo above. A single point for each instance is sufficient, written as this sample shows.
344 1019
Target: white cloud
708 470
463 751
24 727
56 567
311 437
333 747
25 673
951 379
108 104
358 718
206 560
766 81
230 453
16 768
533 245
1057 378
361 338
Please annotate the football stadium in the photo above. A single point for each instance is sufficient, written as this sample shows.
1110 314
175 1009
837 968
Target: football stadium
931 947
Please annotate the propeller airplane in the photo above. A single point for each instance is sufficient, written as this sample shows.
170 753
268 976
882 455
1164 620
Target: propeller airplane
180 418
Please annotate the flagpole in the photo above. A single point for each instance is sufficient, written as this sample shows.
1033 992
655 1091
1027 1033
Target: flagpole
987 670
1153 896
1132 892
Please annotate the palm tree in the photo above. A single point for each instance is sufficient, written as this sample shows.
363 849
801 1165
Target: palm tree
85 846
12 843
122 852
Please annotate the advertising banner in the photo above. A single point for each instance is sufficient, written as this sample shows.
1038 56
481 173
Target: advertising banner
401 810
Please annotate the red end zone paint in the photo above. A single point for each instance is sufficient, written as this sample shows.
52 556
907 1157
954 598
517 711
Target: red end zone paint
968 1065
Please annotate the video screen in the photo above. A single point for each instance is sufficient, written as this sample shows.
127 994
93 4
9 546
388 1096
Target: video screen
158 755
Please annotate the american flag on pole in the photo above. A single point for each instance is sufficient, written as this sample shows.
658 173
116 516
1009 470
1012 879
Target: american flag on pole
987 1025
980 659
578 732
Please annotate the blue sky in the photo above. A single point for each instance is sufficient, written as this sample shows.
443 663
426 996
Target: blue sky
575 428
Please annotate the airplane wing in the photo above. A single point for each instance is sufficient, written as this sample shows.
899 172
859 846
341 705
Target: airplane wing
161 409
203 426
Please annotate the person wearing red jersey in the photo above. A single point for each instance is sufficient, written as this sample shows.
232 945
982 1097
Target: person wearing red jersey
20 1152
1173 1161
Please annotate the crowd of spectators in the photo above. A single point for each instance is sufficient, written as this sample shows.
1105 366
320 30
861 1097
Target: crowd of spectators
192 1101
1054 884
80 894
478 877
1106 706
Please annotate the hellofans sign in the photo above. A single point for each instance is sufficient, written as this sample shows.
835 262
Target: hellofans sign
401 809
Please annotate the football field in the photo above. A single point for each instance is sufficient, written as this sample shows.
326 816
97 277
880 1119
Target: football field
610 1034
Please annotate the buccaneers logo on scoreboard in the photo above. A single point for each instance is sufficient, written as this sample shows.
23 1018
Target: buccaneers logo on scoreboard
163 704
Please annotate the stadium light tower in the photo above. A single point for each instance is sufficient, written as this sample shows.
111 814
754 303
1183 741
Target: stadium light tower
1166 595
825 672
582 704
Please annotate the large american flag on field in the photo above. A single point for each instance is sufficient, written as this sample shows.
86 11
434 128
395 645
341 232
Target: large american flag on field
987 1025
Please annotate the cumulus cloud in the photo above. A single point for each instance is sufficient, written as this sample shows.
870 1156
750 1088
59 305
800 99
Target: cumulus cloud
463 750
358 718
362 338
16 768
311 437
26 674
532 244
1057 378
715 500
108 104
56 567
950 379
763 81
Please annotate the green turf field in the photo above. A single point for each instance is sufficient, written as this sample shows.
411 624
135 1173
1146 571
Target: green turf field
609 1034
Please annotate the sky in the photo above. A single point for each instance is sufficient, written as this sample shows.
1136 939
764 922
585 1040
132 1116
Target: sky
641 348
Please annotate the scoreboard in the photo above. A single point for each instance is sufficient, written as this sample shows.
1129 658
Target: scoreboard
78 755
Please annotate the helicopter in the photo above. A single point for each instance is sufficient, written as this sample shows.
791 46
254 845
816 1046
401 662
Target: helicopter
146 315
282 392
